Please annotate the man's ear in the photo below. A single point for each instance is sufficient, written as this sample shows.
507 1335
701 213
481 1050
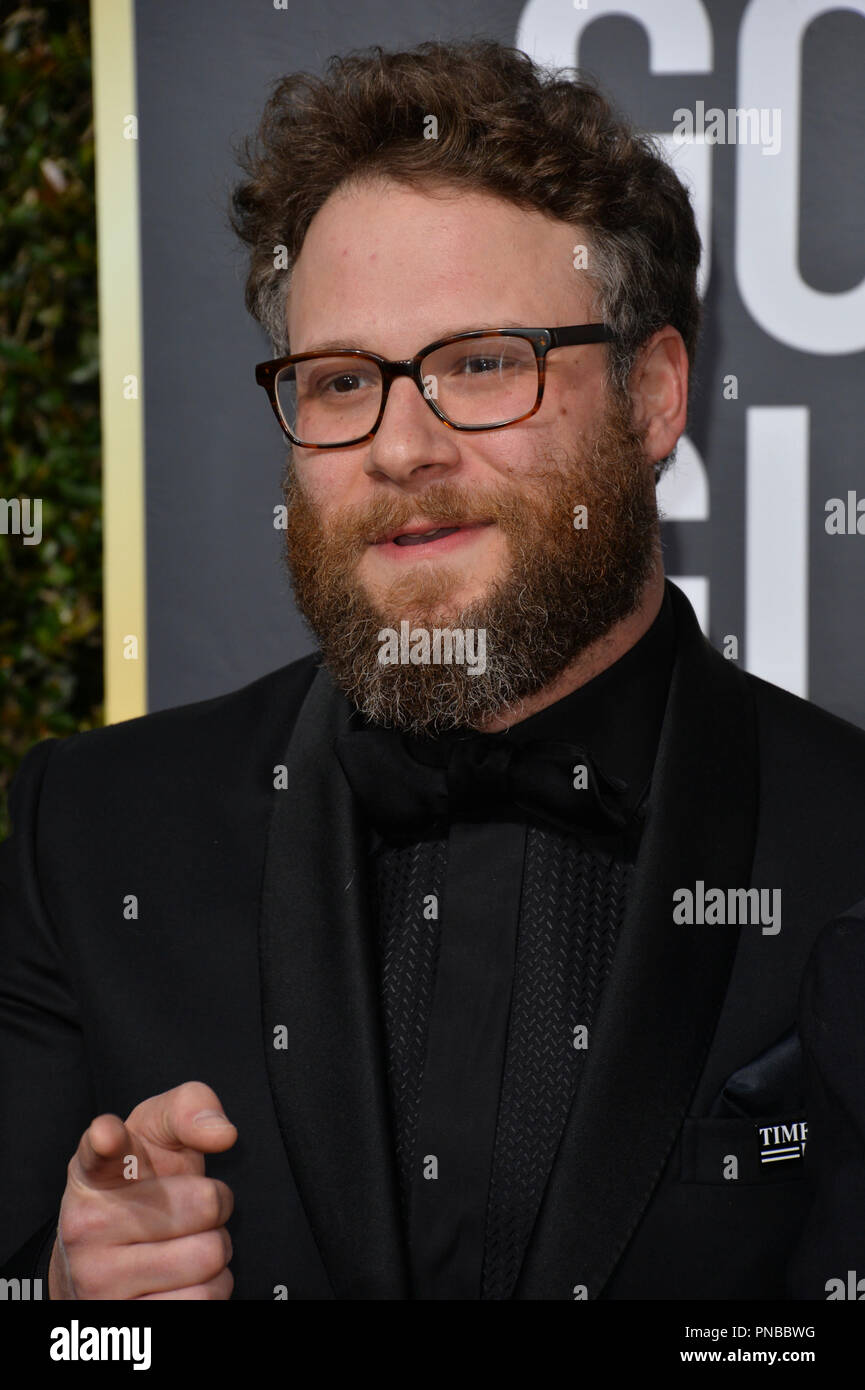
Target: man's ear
659 392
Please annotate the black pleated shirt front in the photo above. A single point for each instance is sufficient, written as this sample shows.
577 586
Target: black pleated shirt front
494 944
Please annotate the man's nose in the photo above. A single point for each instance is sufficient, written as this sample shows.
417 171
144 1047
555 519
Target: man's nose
411 437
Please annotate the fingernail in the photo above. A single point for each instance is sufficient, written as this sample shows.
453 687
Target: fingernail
211 1117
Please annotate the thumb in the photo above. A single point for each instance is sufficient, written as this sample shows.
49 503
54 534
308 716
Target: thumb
188 1120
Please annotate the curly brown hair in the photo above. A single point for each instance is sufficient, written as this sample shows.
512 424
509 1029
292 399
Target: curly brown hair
543 140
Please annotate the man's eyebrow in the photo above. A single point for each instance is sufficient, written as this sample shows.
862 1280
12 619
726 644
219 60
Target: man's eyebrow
333 344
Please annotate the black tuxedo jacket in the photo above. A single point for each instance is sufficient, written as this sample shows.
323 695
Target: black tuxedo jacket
829 1262
252 917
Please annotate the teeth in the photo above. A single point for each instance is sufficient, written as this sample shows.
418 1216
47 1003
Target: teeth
422 536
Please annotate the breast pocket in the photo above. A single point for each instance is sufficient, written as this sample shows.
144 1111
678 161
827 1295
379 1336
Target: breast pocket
744 1150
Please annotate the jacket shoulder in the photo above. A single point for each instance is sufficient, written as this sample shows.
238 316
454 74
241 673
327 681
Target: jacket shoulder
217 739
804 728
812 772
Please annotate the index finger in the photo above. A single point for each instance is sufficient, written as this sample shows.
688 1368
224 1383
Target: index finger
103 1153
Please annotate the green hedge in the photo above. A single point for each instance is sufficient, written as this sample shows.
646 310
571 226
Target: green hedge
50 593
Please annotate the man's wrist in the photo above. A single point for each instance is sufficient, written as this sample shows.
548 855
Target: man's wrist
53 1275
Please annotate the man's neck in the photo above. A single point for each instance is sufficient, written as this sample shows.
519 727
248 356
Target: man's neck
590 663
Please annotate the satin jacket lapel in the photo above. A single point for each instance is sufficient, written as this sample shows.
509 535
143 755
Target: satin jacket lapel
319 983
661 1003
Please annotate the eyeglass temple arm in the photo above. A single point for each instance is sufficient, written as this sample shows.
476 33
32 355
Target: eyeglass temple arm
585 333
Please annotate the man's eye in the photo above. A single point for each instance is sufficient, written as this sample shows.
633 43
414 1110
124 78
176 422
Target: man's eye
477 366
484 366
346 383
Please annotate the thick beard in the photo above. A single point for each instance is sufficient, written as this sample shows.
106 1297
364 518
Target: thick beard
562 591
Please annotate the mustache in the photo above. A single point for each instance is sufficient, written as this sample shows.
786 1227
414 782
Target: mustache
445 503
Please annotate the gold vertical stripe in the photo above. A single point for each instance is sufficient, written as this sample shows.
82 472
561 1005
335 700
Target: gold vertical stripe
120 354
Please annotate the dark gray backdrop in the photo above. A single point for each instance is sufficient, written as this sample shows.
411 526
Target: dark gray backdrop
219 609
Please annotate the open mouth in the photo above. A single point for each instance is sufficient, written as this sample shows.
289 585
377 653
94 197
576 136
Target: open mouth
419 534
421 537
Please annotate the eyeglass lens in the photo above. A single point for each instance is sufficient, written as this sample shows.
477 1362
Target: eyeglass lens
476 381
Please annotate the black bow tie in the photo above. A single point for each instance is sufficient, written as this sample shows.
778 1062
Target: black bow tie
485 778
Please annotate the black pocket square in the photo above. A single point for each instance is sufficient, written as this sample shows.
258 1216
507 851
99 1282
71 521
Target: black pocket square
770 1085
757 1118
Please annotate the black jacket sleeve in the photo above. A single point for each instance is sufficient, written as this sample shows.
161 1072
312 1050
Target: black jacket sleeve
829 1261
45 1101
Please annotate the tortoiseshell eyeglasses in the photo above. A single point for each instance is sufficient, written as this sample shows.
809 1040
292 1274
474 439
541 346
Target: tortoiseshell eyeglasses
482 380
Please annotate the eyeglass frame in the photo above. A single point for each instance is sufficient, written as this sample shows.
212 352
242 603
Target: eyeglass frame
543 340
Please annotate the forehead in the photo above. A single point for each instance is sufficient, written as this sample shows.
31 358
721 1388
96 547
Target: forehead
408 265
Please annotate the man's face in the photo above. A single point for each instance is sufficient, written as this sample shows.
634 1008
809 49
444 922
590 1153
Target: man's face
390 269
